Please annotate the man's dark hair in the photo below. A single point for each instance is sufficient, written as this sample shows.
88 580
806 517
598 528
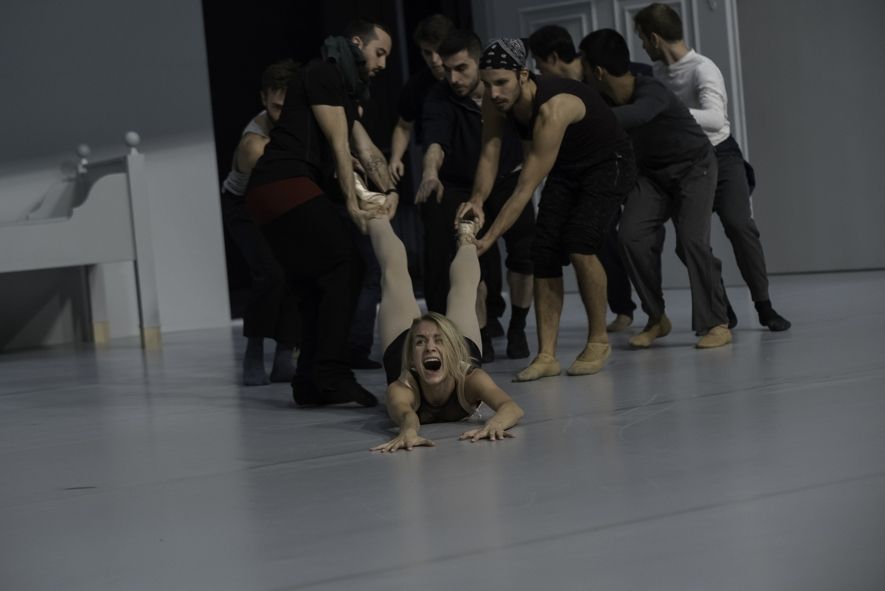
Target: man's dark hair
364 29
433 29
458 40
607 49
277 75
551 39
660 19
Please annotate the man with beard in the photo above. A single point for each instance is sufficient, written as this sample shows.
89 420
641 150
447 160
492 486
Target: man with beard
271 311
289 197
698 82
575 141
453 135
429 33
554 51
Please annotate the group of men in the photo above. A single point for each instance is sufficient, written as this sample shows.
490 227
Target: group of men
619 154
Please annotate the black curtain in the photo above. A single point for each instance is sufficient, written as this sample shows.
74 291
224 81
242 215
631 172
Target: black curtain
243 38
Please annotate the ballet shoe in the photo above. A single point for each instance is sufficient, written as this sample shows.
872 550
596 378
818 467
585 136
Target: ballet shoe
468 226
591 360
621 323
544 366
368 200
717 336
652 331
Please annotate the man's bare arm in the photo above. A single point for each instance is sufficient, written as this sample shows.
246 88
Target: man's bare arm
434 157
553 118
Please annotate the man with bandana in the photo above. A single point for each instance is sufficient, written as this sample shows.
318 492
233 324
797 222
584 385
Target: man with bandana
453 133
573 139
290 196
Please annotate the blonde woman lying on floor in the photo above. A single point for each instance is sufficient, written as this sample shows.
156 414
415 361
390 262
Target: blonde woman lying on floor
432 361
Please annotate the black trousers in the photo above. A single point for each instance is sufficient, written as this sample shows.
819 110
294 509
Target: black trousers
271 311
684 193
619 291
313 246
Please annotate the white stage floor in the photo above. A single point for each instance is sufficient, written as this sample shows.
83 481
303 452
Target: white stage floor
758 466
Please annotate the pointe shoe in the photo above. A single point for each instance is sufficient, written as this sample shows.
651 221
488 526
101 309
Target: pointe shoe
652 331
467 229
591 360
718 336
621 323
368 199
544 366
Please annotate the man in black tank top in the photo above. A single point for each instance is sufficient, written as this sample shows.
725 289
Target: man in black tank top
572 138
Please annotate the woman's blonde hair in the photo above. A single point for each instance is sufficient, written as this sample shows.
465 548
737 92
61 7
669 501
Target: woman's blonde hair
456 356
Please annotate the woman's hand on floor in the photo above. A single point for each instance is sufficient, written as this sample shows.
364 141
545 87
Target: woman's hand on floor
489 431
404 441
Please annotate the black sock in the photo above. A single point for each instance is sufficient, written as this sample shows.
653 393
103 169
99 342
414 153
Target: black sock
517 318
253 363
764 308
770 318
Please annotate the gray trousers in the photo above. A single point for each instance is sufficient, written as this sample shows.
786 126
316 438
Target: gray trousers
732 203
684 193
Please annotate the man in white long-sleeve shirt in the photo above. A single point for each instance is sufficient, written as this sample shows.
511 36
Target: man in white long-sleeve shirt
699 83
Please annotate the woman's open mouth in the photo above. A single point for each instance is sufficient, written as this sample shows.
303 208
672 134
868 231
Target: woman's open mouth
432 363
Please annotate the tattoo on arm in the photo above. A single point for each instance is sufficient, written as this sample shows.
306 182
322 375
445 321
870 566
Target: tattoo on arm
376 168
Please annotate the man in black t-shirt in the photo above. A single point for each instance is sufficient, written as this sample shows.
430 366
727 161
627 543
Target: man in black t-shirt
453 136
573 139
677 181
289 196
429 33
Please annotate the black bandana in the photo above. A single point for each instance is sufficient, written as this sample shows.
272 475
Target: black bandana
349 59
503 54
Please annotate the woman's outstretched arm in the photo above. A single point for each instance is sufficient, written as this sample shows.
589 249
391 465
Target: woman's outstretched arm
400 399
480 387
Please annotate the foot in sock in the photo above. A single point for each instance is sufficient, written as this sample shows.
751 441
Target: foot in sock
494 328
304 393
517 344
488 350
283 369
544 366
253 363
768 317
732 317
591 360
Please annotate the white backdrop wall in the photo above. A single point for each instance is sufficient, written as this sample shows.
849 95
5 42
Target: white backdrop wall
85 73
813 84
